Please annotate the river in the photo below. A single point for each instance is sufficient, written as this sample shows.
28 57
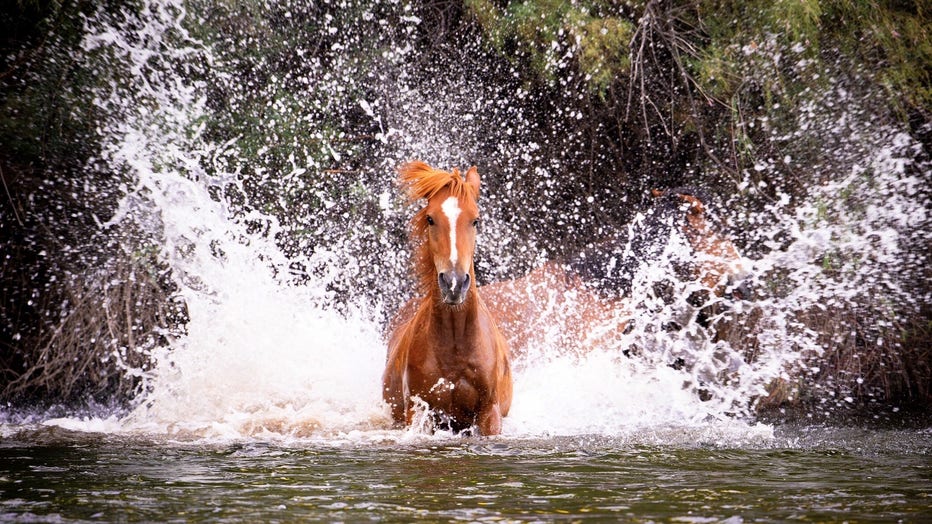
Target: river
781 473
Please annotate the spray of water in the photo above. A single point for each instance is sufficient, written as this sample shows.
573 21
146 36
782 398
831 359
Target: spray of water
286 238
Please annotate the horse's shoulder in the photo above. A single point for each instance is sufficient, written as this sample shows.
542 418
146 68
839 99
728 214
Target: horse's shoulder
500 346
403 330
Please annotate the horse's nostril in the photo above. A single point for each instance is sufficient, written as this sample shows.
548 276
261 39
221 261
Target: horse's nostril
465 282
445 280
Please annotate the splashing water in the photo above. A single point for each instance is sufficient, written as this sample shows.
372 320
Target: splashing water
287 298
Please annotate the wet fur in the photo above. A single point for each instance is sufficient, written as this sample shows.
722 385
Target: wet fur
452 357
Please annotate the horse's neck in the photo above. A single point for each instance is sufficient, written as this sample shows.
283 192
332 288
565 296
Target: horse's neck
458 323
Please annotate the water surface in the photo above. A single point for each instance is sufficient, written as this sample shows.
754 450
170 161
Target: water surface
812 473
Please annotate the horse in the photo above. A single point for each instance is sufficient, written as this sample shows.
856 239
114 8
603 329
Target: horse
445 349
585 301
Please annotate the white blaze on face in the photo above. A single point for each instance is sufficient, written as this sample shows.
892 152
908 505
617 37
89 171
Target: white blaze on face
451 208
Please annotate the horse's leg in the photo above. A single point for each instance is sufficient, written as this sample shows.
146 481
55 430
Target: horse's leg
393 395
490 420
398 413
409 415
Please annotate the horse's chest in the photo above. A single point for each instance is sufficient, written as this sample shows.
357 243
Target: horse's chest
455 376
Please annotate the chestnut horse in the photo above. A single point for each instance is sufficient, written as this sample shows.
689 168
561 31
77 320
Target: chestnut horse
585 302
445 348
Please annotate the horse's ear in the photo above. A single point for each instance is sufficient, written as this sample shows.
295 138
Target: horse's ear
472 179
695 205
656 193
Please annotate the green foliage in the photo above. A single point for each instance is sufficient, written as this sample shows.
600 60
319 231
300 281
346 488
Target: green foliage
795 20
755 45
603 49
542 31
893 39
741 60
284 103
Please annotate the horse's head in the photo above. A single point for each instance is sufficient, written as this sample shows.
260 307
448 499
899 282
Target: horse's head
716 261
446 227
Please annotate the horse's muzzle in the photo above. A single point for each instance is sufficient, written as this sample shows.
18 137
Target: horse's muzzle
454 286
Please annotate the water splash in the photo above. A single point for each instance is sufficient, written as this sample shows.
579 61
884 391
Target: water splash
286 239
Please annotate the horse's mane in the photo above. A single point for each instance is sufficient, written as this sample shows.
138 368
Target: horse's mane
422 181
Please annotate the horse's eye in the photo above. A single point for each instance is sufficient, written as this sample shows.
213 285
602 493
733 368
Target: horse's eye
430 220
475 223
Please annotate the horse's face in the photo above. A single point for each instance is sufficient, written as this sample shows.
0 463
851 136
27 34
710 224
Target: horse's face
452 224
719 265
